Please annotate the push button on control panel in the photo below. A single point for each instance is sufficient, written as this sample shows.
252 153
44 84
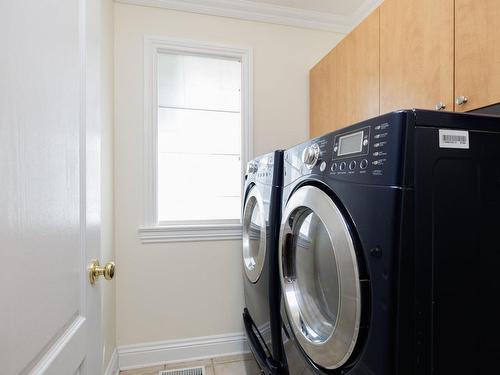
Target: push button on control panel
363 164
383 126
352 165
343 165
334 167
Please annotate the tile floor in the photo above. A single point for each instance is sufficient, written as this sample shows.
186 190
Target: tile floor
241 364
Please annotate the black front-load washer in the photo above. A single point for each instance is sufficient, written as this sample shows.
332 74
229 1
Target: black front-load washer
389 250
261 218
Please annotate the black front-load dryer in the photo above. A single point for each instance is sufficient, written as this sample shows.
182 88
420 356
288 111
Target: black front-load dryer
261 219
389 253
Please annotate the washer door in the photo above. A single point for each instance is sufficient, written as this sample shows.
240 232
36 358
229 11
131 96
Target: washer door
320 277
254 235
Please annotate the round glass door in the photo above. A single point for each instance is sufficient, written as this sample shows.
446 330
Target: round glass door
319 277
254 235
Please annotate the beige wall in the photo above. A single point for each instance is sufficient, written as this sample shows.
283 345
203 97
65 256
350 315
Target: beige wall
182 290
107 210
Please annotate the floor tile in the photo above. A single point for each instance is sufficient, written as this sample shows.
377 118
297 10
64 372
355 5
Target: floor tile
247 367
233 358
144 371
238 364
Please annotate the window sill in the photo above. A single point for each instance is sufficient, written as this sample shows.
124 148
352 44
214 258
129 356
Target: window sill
189 233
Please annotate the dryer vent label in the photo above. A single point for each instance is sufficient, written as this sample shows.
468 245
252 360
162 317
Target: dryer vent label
453 138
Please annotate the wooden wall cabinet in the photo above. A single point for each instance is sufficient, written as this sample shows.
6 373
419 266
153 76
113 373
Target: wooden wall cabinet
477 53
322 90
357 73
344 85
416 54
429 54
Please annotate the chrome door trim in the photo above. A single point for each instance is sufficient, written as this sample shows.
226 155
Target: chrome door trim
333 352
253 266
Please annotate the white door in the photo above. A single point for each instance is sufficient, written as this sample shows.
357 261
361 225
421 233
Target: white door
49 190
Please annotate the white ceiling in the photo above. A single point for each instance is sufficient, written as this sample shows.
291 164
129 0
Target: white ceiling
329 15
340 7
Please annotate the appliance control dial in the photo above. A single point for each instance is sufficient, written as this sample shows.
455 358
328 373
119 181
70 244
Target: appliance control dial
310 155
252 167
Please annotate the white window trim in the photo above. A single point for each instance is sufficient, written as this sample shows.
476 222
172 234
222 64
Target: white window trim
152 231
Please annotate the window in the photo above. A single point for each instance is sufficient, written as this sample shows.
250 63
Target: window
197 117
199 138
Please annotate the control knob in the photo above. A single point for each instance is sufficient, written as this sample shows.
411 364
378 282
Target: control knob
310 155
252 167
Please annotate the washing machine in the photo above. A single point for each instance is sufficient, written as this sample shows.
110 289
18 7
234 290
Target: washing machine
389 249
261 220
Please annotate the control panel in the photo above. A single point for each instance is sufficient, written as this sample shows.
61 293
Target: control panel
261 169
350 151
368 152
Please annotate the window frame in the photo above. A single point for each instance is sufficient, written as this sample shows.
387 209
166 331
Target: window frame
153 231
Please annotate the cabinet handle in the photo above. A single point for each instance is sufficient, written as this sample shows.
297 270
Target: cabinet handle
461 100
440 106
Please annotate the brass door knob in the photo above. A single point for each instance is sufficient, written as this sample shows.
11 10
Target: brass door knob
95 270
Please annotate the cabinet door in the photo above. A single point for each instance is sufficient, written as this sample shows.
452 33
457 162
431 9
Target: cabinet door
416 54
357 73
477 53
322 92
344 86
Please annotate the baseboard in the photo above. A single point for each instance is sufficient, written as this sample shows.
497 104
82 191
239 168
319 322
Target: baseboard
113 367
158 353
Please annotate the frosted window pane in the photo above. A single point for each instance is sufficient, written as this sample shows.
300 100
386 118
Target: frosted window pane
199 82
198 187
199 131
199 138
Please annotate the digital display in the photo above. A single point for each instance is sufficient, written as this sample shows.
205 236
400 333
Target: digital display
350 144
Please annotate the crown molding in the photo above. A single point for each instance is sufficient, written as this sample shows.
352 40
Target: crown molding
263 12
363 11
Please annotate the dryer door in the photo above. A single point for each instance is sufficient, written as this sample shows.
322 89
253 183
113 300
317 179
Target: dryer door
319 277
254 235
